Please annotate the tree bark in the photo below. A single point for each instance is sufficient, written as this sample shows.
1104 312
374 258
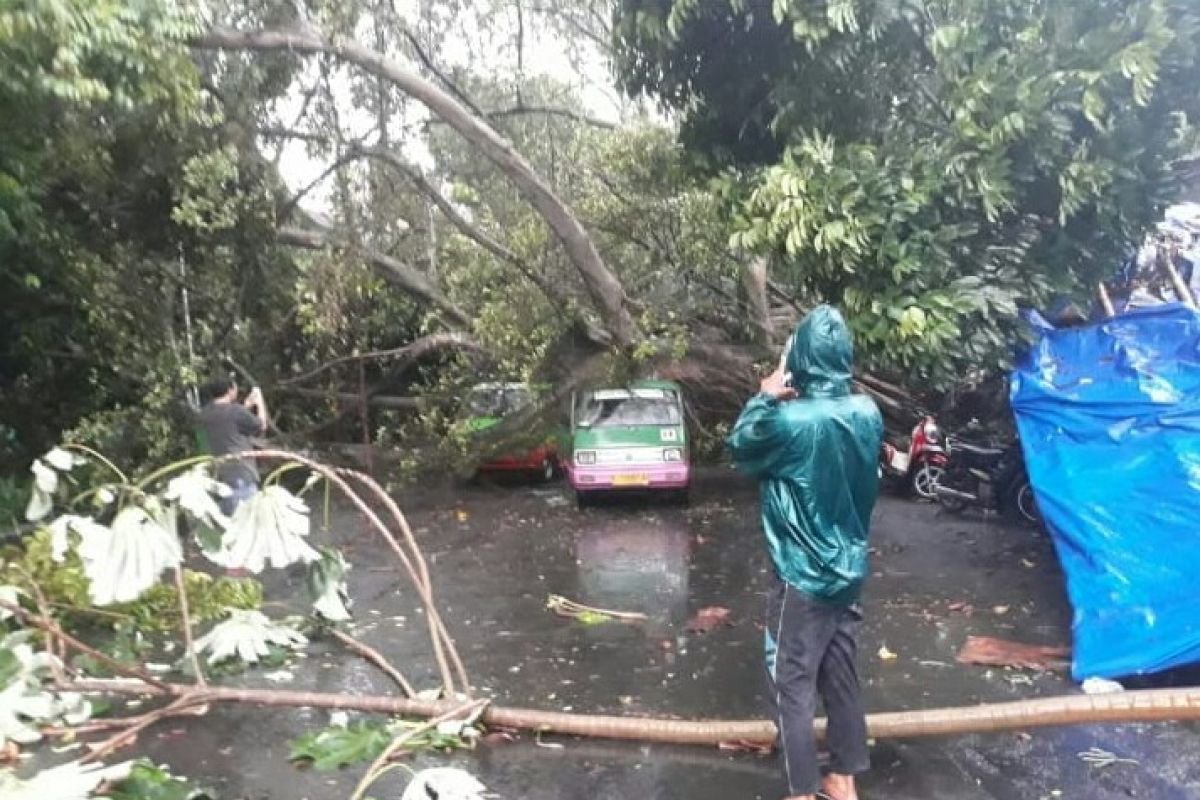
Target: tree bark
603 286
399 274
754 279
1140 705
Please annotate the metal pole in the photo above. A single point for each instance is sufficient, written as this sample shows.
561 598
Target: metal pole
192 393
364 411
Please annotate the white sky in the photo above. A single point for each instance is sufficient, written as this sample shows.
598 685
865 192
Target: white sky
545 54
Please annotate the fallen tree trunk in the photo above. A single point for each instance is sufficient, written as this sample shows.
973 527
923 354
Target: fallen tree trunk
603 286
1145 705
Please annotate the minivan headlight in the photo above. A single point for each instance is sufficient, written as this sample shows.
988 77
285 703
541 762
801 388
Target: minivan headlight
585 457
673 454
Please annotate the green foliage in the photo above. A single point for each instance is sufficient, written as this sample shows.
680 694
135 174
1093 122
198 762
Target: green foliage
105 132
157 610
208 599
359 742
14 495
149 782
336 747
929 169
61 583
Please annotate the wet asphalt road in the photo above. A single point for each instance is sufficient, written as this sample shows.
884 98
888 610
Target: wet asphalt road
498 551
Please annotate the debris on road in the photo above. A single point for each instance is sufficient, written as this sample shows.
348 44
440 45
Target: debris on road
589 615
1102 758
987 651
742 746
1101 686
707 619
449 783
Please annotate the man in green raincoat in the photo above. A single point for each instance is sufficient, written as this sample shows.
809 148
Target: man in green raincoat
814 447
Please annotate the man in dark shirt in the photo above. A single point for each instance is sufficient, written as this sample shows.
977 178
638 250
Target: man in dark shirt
229 427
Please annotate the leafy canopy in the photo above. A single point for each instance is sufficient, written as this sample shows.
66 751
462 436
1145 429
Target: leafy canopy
929 166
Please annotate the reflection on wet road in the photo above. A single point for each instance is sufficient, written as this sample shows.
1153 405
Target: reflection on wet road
498 552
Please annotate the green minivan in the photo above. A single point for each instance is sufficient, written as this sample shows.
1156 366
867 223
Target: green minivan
631 438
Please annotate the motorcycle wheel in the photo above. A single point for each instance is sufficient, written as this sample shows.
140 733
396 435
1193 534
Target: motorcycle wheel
955 505
1026 503
925 480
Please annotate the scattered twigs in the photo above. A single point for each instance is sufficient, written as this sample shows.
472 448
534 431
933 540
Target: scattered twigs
187 627
130 734
1100 759
378 766
52 628
572 610
418 557
421 584
54 646
376 658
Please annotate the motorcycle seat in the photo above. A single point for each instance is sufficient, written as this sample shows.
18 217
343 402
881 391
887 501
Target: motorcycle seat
976 450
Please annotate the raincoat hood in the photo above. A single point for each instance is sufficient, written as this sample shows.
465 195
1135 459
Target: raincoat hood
821 354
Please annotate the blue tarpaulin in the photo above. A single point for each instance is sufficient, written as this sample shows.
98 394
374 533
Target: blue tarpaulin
1109 419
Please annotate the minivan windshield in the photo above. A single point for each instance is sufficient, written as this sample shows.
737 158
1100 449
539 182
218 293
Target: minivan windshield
496 401
608 411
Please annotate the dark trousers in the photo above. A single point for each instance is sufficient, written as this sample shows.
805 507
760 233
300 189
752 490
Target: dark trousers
811 650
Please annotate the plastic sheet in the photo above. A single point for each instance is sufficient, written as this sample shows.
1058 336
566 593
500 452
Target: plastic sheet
1109 418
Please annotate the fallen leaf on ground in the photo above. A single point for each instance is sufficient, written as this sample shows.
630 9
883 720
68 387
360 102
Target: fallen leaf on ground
708 618
985 650
963 607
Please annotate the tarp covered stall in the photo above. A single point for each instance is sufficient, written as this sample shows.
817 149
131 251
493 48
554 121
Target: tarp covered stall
1109 419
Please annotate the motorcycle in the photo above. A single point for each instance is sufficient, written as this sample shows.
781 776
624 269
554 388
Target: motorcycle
921 466
990 478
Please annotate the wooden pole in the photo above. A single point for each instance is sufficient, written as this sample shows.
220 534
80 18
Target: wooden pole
1181 289
1106 301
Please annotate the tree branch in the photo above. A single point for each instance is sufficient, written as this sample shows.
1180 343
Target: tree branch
559 299
398 273
550 111
410 352
603 286
477 235
427 61
376 658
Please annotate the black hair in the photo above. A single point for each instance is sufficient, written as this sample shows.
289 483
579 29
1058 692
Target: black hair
219 386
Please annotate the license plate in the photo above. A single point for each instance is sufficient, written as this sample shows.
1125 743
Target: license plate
631 480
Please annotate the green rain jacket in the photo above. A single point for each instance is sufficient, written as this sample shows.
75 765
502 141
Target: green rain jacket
817 460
